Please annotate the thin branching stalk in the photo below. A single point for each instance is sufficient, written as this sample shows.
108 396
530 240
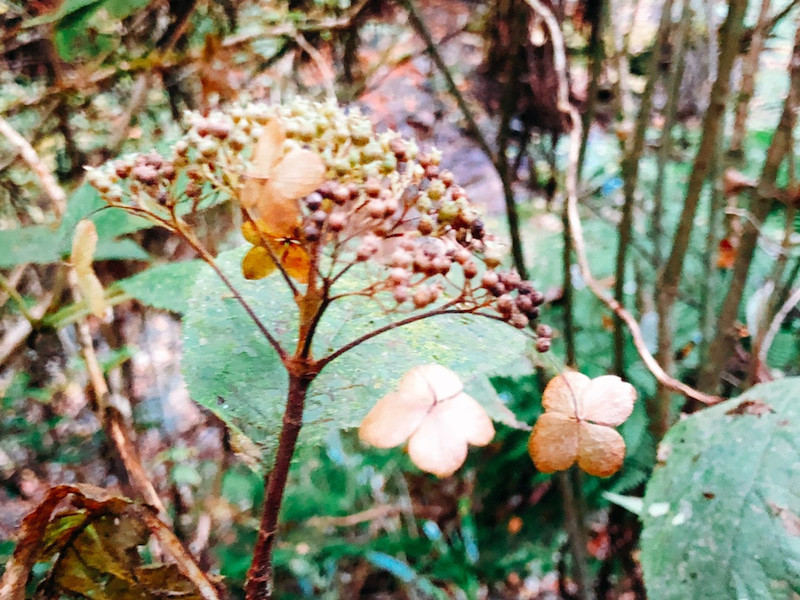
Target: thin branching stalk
578 241
710 281
634 150
725 340
576 533
670 113
596 54
670 276
747 85
569 293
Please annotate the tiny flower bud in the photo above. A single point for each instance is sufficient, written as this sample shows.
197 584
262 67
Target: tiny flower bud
461 256
376 209
543 345
314 200
401 258
425 226
423 296
341 194
311 232
399 276
520 321
146 174
319 217
505 304
401 294
372 187
544 331
441 264
470 269
489 280
337 221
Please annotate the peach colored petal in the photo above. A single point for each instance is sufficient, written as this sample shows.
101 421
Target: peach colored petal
553 444
268 149
280 215
467 416
392 420
607 400
437 447
601 449
562 393
432 381
298 174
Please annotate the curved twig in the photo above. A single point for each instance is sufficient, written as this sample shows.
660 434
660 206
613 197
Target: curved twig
578 242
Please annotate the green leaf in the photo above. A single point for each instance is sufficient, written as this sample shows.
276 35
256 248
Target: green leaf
110 222
166 286
37 244
231 369
67 8
721 516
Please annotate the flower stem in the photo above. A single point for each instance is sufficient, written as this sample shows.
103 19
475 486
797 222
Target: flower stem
259 584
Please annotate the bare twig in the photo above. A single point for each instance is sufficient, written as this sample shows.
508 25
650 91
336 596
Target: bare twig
670 112
725 340
49 184
578 241
748 82
634 148
792 301
328 77
670 276
111 419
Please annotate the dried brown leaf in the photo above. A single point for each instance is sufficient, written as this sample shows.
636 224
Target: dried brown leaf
96 543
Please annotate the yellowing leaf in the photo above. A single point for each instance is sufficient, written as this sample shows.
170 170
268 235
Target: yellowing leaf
83 247
257 263
432 412
294 259
577 424
84 244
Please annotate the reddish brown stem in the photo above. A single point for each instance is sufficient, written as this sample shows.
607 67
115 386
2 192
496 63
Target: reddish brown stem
259 576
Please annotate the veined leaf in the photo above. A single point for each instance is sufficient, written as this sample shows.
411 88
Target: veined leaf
231 369
721 516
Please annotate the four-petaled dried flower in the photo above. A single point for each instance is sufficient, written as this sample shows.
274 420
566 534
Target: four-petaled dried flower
577 424
431 410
